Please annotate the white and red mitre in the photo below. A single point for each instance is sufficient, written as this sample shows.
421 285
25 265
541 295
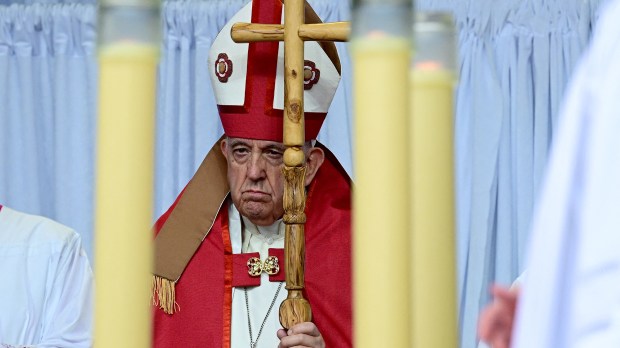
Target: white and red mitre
248 79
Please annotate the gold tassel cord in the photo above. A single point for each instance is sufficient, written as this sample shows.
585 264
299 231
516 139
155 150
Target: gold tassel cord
162 292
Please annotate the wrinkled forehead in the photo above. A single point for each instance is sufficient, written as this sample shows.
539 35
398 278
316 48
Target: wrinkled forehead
261 144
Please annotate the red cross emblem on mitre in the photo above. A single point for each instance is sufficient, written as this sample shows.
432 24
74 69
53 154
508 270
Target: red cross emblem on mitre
250 97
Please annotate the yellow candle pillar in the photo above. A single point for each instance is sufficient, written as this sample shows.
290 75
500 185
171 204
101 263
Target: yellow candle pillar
124 177
434 298
381 256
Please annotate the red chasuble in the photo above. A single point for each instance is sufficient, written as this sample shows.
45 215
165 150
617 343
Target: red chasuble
203 292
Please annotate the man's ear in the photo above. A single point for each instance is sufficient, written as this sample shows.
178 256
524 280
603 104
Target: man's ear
223 145
315 159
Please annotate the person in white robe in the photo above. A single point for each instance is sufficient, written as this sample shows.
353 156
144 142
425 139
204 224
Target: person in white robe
46 292
571 296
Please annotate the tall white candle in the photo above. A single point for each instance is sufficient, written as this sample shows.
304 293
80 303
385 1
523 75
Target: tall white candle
381 204
434 299
124 193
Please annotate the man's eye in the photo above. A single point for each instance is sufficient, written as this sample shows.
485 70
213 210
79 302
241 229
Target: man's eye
240 152
274 153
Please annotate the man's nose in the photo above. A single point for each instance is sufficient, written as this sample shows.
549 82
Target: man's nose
256 167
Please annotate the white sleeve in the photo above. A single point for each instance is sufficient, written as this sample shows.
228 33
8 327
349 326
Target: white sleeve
519 281
571 297
69 306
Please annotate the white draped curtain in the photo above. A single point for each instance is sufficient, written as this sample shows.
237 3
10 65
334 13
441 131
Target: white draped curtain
47 118
516 58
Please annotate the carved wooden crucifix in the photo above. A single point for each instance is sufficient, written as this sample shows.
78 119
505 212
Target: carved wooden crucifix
293 32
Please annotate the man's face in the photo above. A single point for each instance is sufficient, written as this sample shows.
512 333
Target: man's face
255 178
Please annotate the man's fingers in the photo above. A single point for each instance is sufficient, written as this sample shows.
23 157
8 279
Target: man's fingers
299 340
508 295
301 335
495 322
499 342
306 328
281 333
485 323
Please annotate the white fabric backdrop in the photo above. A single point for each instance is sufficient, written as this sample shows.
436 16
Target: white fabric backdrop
571 294
516 58
47 112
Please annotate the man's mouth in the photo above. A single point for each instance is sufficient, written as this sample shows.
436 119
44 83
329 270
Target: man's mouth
254 195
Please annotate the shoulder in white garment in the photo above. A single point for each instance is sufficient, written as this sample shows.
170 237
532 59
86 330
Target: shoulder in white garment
48 300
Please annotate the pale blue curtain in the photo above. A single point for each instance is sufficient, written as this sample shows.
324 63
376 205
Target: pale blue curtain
46 2
187 121
516 58
47 111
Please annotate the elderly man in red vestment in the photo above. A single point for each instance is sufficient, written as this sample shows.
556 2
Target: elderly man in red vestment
219 267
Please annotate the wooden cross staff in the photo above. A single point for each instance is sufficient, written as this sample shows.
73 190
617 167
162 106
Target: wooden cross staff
295 309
